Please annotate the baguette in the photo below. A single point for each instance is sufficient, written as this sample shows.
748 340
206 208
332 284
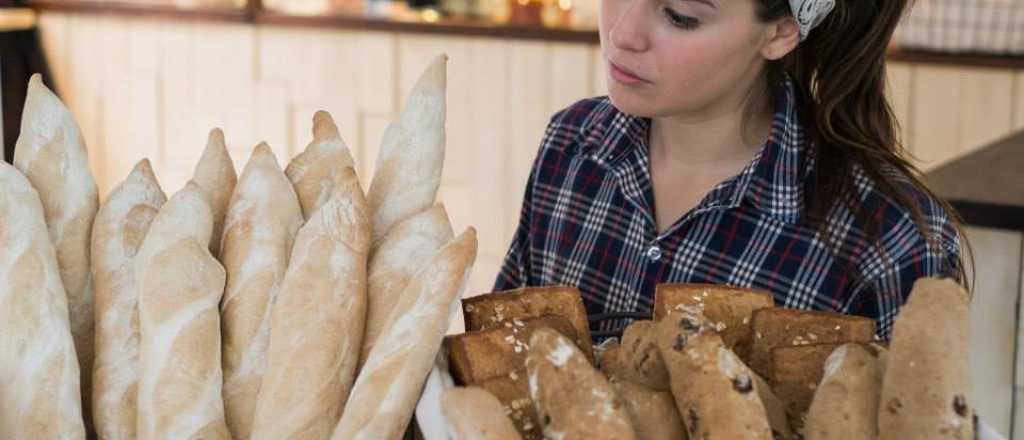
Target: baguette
573 400
390 382
845 407
408 168
180 286
51 153
314 171
259 229
924 390
215 174
475 414
317 321
40 395
121 225
399 255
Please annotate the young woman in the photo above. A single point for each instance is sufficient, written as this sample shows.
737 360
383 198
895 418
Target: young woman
742 142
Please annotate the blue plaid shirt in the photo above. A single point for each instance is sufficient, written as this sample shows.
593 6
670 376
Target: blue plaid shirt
587 221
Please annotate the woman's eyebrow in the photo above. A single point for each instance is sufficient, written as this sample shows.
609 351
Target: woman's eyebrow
706 2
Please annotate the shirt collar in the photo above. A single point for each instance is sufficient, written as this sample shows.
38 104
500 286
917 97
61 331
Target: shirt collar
771 183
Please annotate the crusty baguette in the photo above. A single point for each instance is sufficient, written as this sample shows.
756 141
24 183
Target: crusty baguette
475 414
924 390
317 321
481 355
653 413
180 286
385 393
398 256
215 174
729 308
121 225
845 407
51 153
314 171
499 308
259 229
573 400
39 395
715 392
408 169
779 327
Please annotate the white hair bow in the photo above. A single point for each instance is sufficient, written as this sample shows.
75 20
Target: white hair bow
810 13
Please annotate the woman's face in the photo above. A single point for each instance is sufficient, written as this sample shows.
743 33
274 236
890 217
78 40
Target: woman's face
670 57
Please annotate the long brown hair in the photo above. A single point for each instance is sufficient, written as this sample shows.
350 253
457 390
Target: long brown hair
840 71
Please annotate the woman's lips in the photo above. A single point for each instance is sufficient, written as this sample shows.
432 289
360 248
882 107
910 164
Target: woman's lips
624 76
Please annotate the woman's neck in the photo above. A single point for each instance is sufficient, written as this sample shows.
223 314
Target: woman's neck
713 136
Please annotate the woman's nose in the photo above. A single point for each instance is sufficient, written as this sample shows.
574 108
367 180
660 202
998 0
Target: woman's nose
630 30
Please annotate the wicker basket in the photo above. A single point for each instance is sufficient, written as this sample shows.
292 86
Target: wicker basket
978 26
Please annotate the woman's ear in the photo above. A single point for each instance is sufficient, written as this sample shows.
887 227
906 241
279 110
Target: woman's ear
781 37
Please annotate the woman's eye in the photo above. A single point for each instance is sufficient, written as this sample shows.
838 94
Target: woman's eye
681 21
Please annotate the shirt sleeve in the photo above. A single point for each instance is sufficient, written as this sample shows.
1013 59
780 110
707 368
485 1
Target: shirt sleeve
885 294
515 269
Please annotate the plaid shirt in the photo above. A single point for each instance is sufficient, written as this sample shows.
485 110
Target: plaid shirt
587 221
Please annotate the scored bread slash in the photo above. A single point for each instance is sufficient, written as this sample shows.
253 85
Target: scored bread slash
515 306
730 308
778 327
481 355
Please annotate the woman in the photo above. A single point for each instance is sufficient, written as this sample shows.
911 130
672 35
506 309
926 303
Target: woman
742 142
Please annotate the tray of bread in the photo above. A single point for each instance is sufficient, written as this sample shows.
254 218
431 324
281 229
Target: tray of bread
715 362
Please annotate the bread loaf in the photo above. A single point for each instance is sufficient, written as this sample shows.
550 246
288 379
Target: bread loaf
653 413
120 226
39 376
475 414
317 321
51 153
778 327
408 169
259 229
729 308
180 287
845 407
573 400
774 408
478 356
715 392
796 374
389 384
496 309
215 174
403 251
314 171
924 390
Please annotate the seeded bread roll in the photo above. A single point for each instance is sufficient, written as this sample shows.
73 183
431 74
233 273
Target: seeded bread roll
639 358
777 327
653 413
729 308
573 400
494 310
478 356
924 390
715 392
845 406
475 414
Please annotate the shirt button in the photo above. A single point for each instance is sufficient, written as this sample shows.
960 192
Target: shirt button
654 253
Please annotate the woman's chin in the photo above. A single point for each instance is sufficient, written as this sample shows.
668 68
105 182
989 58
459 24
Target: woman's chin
630 102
